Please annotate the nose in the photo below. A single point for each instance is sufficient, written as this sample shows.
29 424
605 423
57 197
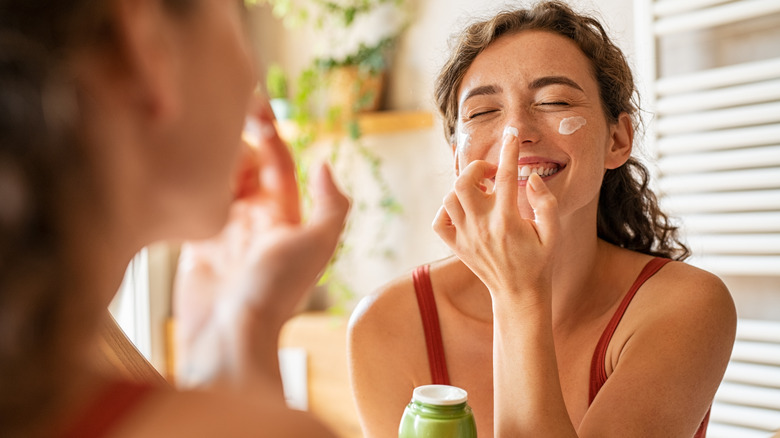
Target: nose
526 126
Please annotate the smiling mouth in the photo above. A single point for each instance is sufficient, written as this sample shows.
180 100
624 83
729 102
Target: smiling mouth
543 170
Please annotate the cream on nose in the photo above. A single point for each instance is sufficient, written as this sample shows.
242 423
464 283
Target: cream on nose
510 130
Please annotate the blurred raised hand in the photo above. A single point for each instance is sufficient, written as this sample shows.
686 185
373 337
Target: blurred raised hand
234 292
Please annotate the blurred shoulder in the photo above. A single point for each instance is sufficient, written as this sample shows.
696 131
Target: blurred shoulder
218 413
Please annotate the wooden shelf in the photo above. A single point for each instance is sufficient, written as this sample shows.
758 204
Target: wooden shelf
324 337
372 123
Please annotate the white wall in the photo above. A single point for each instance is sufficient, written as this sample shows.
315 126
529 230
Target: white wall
425 45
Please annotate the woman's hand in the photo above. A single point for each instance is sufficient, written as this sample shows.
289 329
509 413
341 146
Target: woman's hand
234 292
486 231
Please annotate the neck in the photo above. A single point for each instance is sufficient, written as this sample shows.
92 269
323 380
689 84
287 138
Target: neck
579 268
99 250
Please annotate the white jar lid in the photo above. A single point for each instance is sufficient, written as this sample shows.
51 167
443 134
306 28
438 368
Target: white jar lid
443 395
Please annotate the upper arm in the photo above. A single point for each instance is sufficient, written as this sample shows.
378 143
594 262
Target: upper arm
668 368
381 353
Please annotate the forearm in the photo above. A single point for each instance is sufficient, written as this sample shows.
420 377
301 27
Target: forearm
528 401
258 362
237 352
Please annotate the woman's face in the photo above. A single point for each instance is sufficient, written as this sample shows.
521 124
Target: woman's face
541 84
216 80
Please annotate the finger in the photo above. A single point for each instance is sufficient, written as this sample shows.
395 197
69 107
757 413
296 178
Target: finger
443 226
545 207
469 186
276 167
506 175
331 206
454 209
246 182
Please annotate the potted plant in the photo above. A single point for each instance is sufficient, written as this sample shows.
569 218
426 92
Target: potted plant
355 41
345 78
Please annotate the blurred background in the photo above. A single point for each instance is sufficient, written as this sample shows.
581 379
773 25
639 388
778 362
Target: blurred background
352 82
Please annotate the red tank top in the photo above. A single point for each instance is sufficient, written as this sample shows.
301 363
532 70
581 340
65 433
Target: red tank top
105 412
598 375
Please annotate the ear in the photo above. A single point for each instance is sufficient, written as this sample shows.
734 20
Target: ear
621 140
145 39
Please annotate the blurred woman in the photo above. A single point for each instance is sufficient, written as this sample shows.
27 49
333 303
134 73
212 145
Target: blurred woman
120 125
566 310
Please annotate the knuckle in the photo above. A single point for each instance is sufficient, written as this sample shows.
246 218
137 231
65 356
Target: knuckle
462 183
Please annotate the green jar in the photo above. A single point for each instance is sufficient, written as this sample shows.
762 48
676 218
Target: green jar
438 411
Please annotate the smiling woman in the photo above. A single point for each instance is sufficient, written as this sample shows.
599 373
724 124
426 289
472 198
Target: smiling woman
566 309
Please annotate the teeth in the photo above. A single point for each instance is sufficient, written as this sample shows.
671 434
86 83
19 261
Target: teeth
525 171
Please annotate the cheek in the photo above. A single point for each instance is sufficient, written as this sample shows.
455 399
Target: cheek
477 144
570 125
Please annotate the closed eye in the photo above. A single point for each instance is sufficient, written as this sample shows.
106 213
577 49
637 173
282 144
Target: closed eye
555 103
481 113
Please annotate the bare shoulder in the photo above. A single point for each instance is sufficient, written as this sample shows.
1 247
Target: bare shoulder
208 414
384 311
392 310
691 288
683 297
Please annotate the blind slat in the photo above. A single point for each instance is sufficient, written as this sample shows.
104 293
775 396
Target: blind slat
719 119
718 430
764 419
720 98
761 200
716 16
719 140
758 222
752 179
706 162
752 244
758 330
748 395
762 266
670 7
753 374
719 77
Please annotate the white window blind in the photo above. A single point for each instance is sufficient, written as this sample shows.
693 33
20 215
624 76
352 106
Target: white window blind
131 305
716 125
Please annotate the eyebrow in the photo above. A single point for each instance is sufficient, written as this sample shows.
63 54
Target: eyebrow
483 90
553 80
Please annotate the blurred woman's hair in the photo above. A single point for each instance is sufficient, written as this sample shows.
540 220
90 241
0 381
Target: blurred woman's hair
45 315
628 211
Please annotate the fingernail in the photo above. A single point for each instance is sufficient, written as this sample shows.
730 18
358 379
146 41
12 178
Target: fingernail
251 133
267 130
490 186
510 130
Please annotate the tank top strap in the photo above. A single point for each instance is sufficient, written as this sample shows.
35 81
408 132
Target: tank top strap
598 372
423 288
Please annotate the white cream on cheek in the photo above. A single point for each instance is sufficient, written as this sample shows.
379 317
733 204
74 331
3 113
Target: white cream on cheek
570 125
464 139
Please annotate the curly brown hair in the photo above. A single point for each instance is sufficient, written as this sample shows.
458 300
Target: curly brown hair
44 316
628 211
